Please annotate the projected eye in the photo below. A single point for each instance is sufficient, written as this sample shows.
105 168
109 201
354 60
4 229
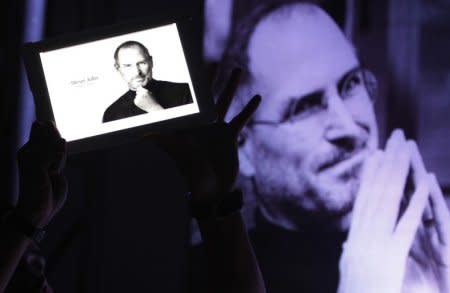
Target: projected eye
352 85
305 106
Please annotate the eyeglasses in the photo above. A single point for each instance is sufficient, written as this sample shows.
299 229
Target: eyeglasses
354 85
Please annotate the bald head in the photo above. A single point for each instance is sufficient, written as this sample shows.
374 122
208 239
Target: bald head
301 40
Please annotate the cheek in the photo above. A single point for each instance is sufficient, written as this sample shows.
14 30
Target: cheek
362 110
294 144
126 76
363 113
146 69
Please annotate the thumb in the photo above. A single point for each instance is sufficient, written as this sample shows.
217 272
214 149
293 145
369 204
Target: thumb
409 222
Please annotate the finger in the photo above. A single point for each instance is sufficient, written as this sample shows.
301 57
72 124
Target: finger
58 162
140 90
47 152
45 129
419 173
213 69
367 180
409 222
242 118
390 154
395 174
45 136
440 211
225 99
183 156
52 128
367 189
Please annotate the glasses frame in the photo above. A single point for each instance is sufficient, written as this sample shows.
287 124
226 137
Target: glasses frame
370 85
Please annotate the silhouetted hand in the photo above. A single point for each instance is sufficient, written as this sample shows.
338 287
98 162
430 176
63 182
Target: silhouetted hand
43 188
208 156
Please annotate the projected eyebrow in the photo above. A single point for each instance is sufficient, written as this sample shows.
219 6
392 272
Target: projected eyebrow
309 104
302 104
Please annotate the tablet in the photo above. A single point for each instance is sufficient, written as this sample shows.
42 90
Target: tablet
114 85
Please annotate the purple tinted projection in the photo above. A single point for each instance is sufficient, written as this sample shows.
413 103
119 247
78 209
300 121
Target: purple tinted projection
302 155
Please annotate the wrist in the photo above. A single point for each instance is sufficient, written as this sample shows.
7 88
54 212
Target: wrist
230 204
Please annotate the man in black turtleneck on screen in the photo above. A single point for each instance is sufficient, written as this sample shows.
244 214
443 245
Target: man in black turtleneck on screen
145 95
311 160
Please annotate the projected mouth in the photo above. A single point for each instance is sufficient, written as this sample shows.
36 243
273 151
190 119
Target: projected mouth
343 162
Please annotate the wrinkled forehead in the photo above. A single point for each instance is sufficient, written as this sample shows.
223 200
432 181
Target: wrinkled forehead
301 49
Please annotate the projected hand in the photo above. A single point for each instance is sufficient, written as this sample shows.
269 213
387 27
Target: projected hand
436 224
145 101
207 156
376 251
43 188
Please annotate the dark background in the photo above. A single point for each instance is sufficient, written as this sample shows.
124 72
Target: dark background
125 225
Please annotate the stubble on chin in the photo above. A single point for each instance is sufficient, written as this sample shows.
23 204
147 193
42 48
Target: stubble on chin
334 197
286 191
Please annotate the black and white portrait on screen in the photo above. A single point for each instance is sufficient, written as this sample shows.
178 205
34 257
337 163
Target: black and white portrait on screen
324 154
130 74
146 94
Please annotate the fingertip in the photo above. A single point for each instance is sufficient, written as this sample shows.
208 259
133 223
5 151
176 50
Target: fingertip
413 147
35 128
396 135
399 133
432 177
257 98
433 182
411 143
61 142
49 123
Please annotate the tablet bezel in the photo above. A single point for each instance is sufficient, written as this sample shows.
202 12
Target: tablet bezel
189 37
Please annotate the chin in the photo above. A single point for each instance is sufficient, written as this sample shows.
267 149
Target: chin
335 197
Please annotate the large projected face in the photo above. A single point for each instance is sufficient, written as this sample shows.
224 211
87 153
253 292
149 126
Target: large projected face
316 124
135 66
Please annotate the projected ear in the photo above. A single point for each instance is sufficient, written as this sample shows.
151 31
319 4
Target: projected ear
245 150
150 62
